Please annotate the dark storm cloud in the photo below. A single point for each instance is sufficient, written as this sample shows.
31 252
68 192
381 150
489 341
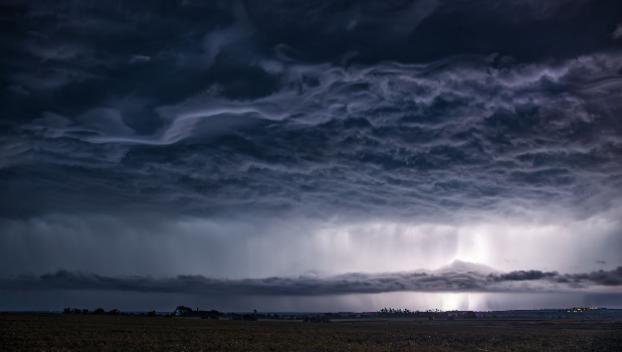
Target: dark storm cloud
443 281
522 275
407 30
256 138
355 138
386 107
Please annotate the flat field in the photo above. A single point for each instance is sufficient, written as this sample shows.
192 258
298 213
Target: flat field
134 333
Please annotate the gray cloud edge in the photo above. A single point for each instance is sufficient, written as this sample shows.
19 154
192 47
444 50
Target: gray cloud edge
350 283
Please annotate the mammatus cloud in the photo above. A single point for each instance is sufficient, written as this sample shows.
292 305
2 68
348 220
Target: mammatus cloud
459 277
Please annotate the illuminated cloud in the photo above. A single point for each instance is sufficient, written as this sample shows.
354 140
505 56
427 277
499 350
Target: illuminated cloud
460 277
255 139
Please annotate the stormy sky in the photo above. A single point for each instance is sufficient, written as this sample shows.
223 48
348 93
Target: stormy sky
310 155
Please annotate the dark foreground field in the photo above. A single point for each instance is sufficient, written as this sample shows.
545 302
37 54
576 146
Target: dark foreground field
118 333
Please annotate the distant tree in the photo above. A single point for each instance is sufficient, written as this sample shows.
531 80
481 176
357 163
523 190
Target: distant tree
99 311
182 310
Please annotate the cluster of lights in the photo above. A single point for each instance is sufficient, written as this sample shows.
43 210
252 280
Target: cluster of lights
581 309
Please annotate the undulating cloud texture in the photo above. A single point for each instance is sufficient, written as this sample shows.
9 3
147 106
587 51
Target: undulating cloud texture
270 147
457 277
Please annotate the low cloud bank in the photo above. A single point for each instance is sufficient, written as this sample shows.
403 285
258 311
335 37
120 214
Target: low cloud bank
351 283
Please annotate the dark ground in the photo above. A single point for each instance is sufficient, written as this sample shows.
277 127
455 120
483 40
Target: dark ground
118 333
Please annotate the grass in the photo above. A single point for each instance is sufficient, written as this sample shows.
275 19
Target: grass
127 333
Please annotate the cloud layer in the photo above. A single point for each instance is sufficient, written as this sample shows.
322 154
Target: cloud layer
341 131
460 277
229 112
